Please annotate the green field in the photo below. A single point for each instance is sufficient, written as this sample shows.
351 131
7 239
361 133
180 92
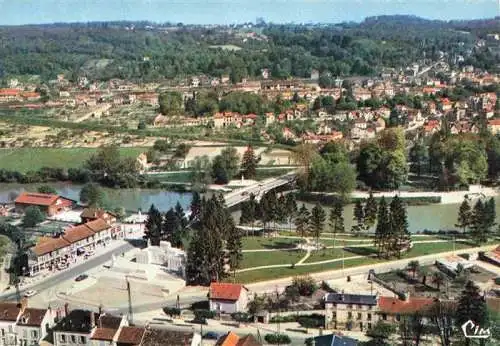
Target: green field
257 259
32 159
254 243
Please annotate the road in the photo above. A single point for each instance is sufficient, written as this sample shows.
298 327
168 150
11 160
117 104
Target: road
70 273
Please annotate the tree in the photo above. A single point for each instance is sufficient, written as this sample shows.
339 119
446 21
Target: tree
464 215
302 220
170 103
414 266
195 205
234 249
371 208
153 226
358 216
419 156
441 314
383 227
303 155
399 236
479 226
141 125
290 207
32 216
171 228
197 272
47 189
225 165
317 221
489 214
412 328
93 195
381 330
438 279
249 163
336 220
471 306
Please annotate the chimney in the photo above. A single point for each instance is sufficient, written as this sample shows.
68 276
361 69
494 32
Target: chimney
66 309
23 303
100 309
92 319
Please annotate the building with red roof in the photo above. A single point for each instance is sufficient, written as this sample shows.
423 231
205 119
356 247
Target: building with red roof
48 203
227 297
391 309
494 126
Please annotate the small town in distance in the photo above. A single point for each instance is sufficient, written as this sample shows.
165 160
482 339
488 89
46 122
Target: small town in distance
250 184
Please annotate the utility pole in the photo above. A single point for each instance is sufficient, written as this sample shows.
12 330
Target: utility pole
130 312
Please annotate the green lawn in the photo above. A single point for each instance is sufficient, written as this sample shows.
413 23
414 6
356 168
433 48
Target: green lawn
175 177
276 273
346 240
431 248
32 159
257 259
326 254
254 243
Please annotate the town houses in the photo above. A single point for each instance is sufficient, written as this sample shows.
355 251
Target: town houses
67 246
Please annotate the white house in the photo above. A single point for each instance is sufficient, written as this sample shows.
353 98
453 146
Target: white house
227 297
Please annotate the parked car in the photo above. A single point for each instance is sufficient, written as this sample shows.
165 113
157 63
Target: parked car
211 336
244 193
81 277
30 293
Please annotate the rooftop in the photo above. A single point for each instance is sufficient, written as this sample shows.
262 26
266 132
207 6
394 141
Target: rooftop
225 291
130 336
77 321
359 299
36 198
9 311
157 337
32 317
391 305
106 334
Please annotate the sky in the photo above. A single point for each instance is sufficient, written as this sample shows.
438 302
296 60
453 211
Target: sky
15 12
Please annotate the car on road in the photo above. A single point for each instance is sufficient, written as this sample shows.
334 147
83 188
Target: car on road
211 336
81 277
244 193
30 293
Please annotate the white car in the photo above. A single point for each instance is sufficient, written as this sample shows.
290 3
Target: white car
30 293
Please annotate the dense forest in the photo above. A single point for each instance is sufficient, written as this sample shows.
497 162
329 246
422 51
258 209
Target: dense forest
148 52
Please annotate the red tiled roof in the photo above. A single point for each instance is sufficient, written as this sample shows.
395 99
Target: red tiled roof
392 305
97 225
32 317
9 311
103 334
494 122
9 92
36 198
72 235
130 335
49 245
225 291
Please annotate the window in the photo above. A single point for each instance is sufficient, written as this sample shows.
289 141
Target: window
359 315
398 318
384 317
349 315
349 306
370 307
62 338
369 326
73 339
34 334
369 317
83 340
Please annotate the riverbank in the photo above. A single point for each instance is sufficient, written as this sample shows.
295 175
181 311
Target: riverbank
410 197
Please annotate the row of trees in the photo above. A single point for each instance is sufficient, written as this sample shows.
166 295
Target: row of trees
169 226
215 243
223 167
477 221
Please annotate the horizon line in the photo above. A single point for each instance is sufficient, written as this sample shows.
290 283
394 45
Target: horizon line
245 22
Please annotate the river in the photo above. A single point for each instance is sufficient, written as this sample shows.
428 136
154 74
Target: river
431 217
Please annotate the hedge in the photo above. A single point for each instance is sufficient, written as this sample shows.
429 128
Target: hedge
274 339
